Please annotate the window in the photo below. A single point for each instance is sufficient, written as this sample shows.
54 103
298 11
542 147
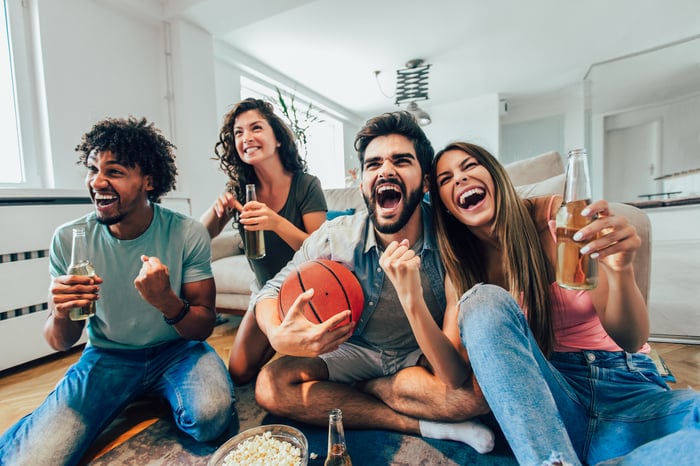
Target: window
325 137
10 156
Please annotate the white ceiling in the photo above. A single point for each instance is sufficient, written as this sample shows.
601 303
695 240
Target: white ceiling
516 48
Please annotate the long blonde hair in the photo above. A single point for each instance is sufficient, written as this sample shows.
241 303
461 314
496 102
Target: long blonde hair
528 272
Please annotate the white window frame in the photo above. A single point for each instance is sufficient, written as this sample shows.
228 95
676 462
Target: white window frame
29 95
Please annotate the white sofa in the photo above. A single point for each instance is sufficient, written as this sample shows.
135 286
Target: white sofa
537 176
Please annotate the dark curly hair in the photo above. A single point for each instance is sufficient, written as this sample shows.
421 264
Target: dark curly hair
241 173
402 123
134 142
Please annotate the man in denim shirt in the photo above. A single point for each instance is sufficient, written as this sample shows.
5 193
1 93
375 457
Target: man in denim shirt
381 371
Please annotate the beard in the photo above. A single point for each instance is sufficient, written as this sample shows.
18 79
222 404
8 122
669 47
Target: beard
411 202
109 220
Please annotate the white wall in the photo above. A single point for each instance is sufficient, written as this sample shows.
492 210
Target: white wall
473 120
566 105
96 63
99 60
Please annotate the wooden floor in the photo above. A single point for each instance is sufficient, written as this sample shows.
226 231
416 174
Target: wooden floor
23 388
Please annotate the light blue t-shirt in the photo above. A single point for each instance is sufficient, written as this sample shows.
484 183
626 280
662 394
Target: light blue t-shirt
123 319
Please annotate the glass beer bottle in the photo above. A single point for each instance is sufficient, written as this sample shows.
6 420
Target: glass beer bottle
254 240
575 271
80 265
337 450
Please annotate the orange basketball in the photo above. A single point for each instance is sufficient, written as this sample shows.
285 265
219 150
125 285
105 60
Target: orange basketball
336 289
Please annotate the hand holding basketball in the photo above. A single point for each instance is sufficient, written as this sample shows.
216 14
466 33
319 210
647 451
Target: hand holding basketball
336 289
296 336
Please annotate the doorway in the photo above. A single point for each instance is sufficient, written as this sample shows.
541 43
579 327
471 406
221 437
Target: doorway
632 161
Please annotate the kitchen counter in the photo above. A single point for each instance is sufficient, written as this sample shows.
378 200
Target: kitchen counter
678 201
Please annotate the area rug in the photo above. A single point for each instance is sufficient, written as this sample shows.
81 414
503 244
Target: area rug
162 443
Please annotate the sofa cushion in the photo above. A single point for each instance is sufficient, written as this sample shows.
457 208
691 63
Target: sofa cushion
553 185
232 274
534 169
344 198
228 242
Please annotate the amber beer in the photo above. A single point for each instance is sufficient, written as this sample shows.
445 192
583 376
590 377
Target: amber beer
575 271
254 240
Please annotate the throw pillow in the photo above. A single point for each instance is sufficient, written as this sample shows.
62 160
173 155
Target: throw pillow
331 214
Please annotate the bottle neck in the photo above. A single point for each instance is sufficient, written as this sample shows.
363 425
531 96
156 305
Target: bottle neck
578 185
79 251
336 434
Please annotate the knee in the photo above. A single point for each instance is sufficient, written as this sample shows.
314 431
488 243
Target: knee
482 312
208 419
242 376
269 384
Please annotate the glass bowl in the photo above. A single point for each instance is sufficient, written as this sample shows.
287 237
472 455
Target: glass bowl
280 432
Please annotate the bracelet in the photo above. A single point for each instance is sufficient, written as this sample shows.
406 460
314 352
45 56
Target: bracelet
181 315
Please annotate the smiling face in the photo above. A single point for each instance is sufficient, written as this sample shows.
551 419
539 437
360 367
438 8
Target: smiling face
466 189
119 193
392 182
254 138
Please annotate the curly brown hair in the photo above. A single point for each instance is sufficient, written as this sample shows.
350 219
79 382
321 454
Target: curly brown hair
134 142
241 173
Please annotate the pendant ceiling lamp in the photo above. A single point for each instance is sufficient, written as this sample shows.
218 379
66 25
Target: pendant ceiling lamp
411 87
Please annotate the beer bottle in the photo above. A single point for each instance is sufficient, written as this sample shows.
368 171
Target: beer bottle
575 271
80 265
337 450
254 240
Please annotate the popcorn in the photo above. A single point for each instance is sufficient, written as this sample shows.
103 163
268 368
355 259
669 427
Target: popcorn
264 450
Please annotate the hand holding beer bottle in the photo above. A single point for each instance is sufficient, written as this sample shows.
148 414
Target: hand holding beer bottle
254 240
81 265
575 270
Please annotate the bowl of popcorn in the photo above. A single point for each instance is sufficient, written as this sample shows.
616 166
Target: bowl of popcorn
274 444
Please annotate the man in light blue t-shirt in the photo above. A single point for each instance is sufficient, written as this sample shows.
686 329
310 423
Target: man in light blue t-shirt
154 298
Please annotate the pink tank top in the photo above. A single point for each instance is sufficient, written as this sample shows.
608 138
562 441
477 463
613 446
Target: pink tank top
576 323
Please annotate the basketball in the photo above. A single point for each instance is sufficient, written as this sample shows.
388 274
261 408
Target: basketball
336 289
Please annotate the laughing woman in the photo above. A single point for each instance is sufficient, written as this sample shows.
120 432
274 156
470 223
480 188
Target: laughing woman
560 369
256 147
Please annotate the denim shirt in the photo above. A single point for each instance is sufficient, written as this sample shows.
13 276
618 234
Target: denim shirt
350 239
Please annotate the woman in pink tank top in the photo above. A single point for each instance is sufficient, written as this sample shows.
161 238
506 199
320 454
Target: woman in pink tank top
562 370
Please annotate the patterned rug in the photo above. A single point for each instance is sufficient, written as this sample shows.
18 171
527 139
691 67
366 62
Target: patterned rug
161 443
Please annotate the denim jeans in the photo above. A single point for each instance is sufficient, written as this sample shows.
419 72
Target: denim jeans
590 406
188 374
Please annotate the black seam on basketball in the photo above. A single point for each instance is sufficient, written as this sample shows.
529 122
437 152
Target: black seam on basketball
311 303
347 299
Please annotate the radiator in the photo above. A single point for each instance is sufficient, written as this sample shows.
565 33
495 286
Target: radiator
24 272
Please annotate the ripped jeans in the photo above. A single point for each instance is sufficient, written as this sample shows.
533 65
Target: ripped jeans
188 374
590 406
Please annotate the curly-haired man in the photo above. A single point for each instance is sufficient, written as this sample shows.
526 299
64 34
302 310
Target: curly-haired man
154 298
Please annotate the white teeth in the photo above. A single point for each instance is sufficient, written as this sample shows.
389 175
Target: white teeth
471 192
387 187
102 197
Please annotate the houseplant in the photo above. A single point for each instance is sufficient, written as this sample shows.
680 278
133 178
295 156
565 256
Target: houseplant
299 121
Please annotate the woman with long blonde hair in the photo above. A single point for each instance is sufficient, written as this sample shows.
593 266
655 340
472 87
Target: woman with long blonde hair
560 369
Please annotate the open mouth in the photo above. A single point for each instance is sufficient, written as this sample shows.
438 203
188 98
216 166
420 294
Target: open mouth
388 195
104 200
249 150
471 197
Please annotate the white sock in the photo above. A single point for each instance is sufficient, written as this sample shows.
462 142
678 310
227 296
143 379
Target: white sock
472 432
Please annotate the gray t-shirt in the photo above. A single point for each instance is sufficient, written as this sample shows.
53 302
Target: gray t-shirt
392 316
305 195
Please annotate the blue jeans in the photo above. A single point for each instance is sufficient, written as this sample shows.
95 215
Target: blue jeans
590 406
188 374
